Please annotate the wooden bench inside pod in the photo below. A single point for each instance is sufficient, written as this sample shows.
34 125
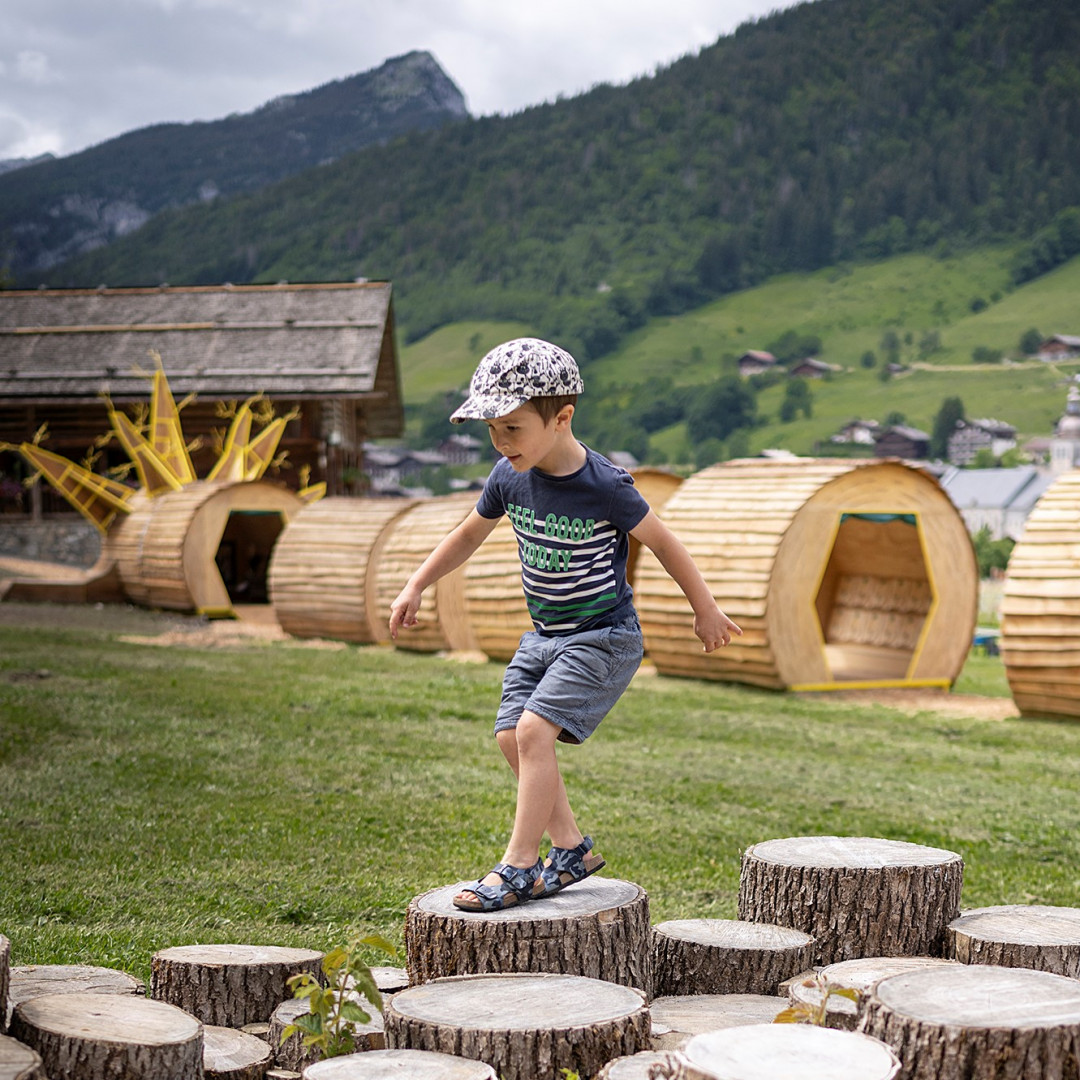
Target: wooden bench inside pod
322 581
841 574
1040 626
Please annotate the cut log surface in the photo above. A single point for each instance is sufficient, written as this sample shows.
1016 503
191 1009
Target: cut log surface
726 956
228 985
390 980
975 1022
523 1026
856 896
772 1051
860 975
32 980
18 1061
399 1065
102 1036
229 1054
676 1020
292 1054
648 1065
1025 936
599 928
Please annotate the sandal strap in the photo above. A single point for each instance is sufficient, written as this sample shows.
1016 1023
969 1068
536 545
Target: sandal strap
570 860
518 880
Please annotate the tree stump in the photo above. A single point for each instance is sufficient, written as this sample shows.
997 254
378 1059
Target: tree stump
972 1022
676 1020
769 1051
524 1026
856 896
598 929
1023 936
292 1054
726 956
400 1065
5 975
19 1062
103 1036
390 980
229 1054
228 985
644 1066
860 975
32 980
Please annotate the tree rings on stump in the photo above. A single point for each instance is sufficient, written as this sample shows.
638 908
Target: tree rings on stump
726 956
400 1065
598 928
18 1061
644 1066
973 1022
32 980
230 1054
524 1026
1017 935
768 1051
101 1036
856 896
676 1020
228 985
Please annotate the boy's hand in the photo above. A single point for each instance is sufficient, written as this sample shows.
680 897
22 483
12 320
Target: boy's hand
403 610
714 629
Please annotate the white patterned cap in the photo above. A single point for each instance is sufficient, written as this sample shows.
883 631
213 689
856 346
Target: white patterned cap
516 372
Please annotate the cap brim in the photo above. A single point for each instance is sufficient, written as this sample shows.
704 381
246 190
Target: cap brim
486 407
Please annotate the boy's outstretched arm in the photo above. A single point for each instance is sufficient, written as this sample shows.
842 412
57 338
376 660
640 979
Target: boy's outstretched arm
711 625
450 553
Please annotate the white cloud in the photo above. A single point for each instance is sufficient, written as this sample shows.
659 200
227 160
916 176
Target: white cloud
33 67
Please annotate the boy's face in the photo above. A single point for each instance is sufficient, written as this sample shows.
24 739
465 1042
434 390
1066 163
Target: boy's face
524 439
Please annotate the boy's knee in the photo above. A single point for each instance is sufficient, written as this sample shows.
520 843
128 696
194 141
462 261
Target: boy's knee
534 733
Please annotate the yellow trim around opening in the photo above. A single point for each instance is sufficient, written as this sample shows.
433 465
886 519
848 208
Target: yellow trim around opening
877 684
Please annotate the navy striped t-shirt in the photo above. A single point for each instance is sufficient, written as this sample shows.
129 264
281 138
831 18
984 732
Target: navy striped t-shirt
572 540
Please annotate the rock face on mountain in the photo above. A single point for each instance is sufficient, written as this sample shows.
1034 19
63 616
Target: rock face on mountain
59 207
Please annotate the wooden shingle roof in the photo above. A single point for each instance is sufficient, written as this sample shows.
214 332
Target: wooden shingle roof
290 342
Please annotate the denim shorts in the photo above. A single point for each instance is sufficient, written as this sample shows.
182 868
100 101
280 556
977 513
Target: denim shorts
573 681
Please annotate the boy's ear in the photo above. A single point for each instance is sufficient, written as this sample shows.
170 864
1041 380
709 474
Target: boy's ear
563 417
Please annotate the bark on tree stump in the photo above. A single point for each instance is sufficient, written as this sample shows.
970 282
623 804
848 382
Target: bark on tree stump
676 1020
400 1065
1024 936
19 1062
647 1065
228 985
524 1026
770 1051
32 980
104 1036
229 1054
726 956
856 896
860 975
598 929
972 1022
5 960
292 1054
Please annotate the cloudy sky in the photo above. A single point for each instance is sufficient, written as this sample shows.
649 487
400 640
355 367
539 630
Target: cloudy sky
76 72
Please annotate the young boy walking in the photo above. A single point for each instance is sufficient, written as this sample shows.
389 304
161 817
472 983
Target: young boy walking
572 511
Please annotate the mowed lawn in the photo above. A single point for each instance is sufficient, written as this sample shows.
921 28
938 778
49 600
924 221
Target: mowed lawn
281 792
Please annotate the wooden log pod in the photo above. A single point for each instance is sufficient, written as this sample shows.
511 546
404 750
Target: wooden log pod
173 550
33 980
291 1053
856 896
524 1026
230 1054
648 1065
103 1036
975 1022
770 1051
726 956
411 538
399 1065
1040 608
228 985
859 975
5 979
676 1020
322 580
840 573
18 1061
1019 935
599 929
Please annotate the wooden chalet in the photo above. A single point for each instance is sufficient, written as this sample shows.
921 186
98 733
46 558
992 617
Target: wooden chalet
324 351
904 442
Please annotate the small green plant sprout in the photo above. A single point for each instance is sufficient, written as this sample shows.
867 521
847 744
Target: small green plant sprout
816 1011
336 1009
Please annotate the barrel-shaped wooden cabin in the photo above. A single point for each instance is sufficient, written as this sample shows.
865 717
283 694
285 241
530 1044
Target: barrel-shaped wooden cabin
1040 626
842 574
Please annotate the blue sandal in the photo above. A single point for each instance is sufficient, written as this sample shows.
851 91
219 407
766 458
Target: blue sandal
566 866
516 887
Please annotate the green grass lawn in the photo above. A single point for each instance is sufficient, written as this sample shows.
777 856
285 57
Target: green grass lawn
281 793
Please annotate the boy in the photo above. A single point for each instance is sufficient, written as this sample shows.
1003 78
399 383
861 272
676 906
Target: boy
572 511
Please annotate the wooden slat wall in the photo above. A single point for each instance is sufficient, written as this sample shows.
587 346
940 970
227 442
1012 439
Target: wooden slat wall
1040 628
